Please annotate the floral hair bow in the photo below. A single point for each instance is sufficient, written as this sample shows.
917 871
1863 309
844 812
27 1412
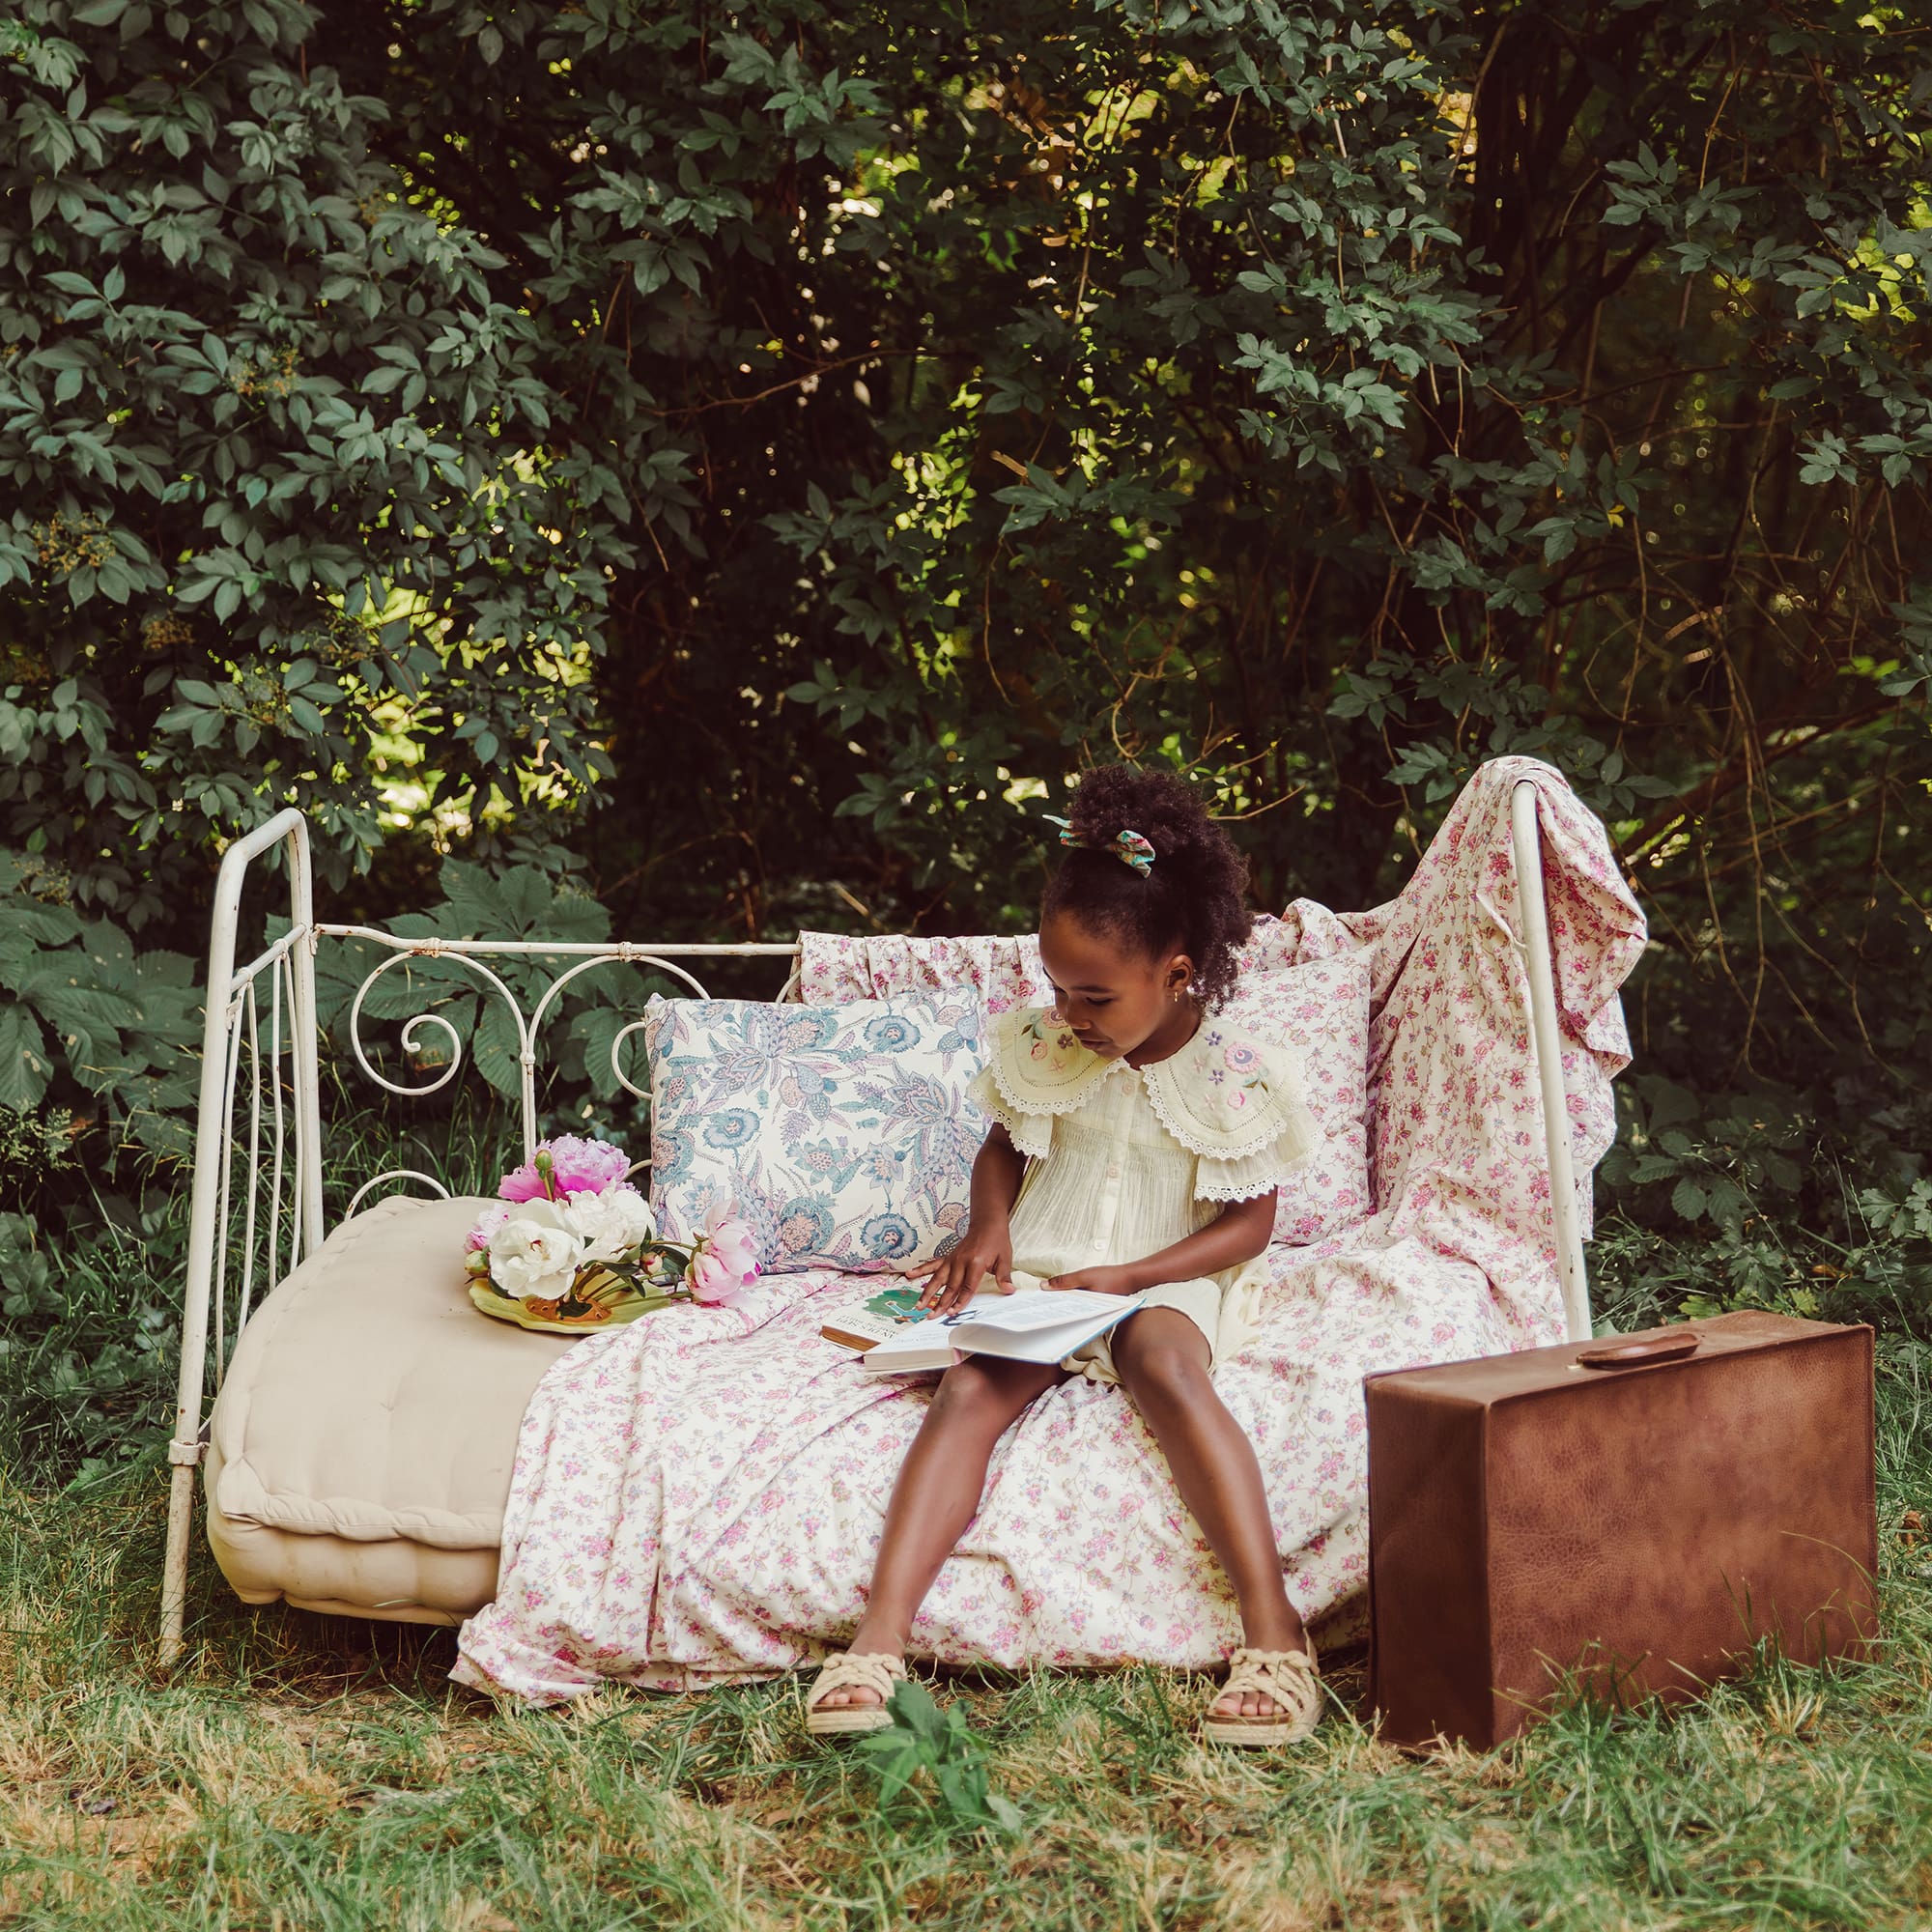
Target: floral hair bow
1128 847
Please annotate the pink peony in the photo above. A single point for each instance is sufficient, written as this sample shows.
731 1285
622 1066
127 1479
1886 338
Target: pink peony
724 1259
566 1165
584 1165
526 1182
486 1224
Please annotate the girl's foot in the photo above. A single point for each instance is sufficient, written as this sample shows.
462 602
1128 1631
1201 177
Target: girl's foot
1271 1697
857 1689
1265 1630
849 1693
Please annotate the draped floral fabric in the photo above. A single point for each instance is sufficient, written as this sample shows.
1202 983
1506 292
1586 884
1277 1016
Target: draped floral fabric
699 1499
1000 972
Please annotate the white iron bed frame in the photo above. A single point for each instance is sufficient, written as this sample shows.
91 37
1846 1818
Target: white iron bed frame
281 980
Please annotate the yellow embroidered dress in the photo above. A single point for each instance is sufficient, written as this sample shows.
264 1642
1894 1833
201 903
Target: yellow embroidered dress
1124 1161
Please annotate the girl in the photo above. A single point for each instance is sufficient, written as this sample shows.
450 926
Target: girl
1137 1145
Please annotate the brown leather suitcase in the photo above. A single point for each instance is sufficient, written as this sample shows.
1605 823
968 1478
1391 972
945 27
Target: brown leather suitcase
1627 1516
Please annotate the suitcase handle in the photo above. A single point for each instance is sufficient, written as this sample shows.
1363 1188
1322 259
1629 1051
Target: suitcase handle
1670 1346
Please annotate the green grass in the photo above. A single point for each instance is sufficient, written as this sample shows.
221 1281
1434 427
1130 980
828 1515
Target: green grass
302 1772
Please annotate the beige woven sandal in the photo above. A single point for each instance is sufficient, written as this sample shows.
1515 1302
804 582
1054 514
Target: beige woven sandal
1289 1678
870 1670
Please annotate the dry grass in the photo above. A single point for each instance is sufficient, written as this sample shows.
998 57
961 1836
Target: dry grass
308 1773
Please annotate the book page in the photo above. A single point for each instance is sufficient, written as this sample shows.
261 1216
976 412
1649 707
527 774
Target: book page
1024 1310
915 1341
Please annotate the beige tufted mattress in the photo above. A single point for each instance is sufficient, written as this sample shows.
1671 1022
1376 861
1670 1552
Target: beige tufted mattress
362 1442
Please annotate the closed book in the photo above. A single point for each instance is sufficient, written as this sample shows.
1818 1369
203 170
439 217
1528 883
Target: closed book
861 1327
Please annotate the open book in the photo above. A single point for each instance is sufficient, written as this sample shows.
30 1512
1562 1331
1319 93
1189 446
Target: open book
861 1325
1038 1324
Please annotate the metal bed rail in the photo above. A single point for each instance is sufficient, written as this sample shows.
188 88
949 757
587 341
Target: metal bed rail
256 1207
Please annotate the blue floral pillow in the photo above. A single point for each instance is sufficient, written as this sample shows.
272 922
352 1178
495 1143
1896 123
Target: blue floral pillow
843 1133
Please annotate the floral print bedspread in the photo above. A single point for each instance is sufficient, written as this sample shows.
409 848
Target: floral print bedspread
698 1498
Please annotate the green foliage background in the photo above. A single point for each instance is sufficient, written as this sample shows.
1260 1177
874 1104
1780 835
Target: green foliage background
698 471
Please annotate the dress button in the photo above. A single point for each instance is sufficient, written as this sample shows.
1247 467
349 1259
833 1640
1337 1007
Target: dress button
1114 1171
1099 1243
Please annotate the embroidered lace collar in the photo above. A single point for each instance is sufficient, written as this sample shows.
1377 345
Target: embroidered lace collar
1224 1095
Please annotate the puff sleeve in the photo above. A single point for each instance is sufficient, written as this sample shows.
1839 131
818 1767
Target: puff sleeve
1031 1133
1242 1180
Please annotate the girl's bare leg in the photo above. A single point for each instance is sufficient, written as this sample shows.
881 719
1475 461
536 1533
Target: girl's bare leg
1162 1358
938 1490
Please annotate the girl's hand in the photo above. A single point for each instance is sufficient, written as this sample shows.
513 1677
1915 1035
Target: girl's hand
953 1280
1096 1280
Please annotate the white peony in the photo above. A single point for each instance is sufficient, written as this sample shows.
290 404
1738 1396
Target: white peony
609 1225
534 1255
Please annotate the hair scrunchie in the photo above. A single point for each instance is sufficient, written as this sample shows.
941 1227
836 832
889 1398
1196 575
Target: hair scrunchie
1128 847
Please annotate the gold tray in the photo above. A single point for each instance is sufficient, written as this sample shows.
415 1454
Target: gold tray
594 1321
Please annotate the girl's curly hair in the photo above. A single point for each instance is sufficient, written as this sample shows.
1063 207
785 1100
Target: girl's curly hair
1194 896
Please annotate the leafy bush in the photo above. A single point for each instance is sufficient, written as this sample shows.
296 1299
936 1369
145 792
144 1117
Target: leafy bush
88 1346
80 1003
1774 1217
276 455
1191 382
